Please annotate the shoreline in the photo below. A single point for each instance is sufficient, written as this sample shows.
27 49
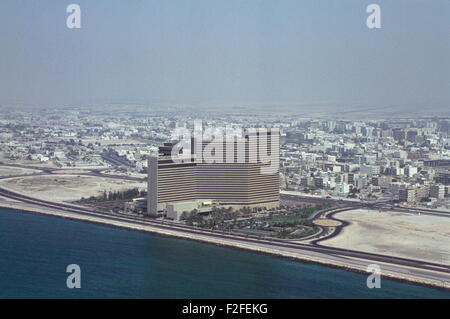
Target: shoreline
230 243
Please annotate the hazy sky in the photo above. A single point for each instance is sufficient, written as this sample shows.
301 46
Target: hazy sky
228 51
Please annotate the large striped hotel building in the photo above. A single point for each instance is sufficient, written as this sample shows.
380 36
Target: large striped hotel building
244 173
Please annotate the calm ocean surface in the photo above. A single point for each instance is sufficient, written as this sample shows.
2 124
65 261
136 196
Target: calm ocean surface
117 263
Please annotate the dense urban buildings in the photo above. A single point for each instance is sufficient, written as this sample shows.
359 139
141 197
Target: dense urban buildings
319 157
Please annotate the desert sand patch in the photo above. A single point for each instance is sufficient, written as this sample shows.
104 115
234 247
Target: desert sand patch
395 234
327 222
11 171
60 188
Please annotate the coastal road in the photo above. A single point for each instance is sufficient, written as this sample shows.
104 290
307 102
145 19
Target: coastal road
408 267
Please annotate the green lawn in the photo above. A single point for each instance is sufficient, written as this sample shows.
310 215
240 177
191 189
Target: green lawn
297 216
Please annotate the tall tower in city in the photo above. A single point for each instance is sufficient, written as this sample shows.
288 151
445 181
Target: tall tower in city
237 172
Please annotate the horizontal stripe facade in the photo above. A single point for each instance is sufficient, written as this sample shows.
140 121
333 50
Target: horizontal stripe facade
233 183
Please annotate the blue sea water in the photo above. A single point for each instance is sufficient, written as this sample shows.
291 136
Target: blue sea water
118 263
